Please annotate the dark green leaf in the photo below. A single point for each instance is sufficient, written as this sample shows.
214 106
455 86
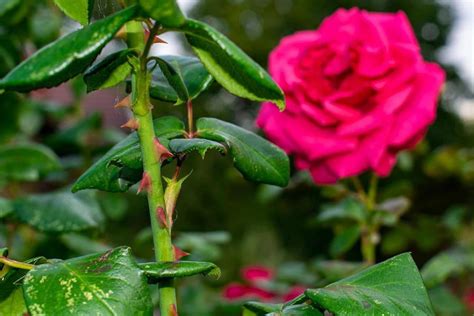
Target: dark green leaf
98 284
257 159
230 66
189 70
7 5
263 308
67 57
45 25
393 287
79 10
26 162
344 240
165 12
121 166
110 71
6 207
59 212
187 145
156 271
298 310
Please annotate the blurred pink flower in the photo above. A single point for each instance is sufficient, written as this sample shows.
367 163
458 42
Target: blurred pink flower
357 91
257 273
295 291
236 291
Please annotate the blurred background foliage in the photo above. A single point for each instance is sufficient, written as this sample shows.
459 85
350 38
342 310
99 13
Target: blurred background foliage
302 230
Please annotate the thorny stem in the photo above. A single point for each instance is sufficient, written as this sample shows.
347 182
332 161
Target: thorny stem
163 246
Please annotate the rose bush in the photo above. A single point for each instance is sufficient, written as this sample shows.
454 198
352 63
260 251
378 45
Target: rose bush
358 91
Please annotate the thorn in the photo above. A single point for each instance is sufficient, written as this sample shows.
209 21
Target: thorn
178 253
160 214
173 310
131 123
124 103
161 150
145 183
156 40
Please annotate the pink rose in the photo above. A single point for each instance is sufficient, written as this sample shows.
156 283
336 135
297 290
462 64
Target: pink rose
236 291
257 273
357 91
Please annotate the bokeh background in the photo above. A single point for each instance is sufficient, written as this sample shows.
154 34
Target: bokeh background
223 218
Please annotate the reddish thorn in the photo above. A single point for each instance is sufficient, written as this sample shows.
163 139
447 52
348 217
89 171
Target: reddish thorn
131 123
161 150
145 183
156 40
124 103
178 253
160 214
173 310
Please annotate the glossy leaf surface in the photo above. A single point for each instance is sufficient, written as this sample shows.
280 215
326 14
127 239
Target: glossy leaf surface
257 159
230 66
179 269
26 162
393 287
79 10
165 12
190 70
100 284
67 57
59 212
187 145
121 166
110 71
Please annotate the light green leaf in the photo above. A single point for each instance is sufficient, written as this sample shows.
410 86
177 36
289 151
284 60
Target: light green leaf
165 12
67 57
230 66
263 308
100 284
26 162
156 271
393 287
6 207
79 10
257 159
347 209
59 212
189 81
14 305
121 166
110 71
344 240
187 145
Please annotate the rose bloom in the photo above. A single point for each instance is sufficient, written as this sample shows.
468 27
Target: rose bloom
357 92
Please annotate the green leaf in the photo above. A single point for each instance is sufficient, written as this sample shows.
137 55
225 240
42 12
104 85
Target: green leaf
100 284
156 271
347 209
81 244
393 287
6 207
110 71
189 70
121 166
333 270
166 12
67 57
344 240
446 264
187 145
298 310
79 10
257 159
14 305
446 303
263 308
26 162
7 5
59 212
230 66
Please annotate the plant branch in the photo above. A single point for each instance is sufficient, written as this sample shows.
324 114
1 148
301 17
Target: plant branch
16 264
189 107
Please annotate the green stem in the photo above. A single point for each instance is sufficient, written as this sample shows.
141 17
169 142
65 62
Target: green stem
163 246
369 230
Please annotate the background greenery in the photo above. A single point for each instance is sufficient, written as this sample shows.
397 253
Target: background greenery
221 216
